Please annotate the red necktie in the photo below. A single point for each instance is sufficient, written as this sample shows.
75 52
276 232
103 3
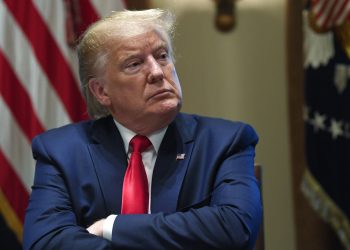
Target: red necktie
135 185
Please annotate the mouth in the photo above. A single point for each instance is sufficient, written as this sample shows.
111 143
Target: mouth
161 93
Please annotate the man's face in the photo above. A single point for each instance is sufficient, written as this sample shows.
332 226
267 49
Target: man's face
139 84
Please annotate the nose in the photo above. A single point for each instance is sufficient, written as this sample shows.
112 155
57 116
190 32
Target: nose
155 73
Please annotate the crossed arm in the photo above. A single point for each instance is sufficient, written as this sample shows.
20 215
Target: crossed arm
229 221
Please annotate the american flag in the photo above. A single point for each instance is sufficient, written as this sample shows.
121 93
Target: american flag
39 86
326 14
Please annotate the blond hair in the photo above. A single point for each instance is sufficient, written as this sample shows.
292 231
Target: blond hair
93 48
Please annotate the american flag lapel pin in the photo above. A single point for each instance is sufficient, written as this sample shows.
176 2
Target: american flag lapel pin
180 156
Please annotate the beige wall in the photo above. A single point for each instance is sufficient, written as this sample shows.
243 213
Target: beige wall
242 76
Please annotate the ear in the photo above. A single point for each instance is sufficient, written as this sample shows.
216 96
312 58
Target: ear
98 89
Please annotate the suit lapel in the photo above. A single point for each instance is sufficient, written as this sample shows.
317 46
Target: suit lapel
110 162
170 170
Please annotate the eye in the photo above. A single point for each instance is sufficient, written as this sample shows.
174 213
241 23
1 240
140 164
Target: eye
163 56
133 66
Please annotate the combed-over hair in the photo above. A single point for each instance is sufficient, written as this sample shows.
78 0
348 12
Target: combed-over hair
93 48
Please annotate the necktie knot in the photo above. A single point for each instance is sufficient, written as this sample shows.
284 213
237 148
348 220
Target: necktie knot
139 143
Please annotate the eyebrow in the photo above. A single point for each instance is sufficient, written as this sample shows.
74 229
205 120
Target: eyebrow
127 50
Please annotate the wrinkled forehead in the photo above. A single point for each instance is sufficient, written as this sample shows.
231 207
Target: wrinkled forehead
139 45
148 40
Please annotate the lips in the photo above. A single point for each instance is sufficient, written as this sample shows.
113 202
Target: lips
161 92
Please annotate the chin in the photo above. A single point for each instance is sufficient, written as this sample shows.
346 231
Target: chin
169 107
161 117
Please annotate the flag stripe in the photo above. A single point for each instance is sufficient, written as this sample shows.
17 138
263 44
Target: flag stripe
324 12
47 53
328 13
328 18
20 56
337 11
13 188
317 5
39 87
18 100
86 13
16 147
321 6
343 14
55 17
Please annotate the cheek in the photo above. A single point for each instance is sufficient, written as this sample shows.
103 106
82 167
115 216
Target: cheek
130 94
176 82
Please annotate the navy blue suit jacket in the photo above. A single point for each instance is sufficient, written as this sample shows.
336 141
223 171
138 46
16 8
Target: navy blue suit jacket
208 200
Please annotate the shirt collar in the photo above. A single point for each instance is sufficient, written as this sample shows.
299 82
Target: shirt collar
156 137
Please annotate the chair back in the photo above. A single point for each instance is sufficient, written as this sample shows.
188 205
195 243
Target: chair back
260 244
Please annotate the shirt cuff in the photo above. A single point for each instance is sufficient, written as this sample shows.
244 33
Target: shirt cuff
108 226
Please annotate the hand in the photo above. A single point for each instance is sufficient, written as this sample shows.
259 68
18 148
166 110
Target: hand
96 228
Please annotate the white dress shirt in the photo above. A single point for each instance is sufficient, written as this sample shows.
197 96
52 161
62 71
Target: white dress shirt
148 158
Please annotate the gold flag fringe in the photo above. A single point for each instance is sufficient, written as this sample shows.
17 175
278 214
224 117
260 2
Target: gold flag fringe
326 207
343 34
13 222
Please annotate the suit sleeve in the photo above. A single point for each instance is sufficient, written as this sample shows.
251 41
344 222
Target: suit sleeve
230 220
50 222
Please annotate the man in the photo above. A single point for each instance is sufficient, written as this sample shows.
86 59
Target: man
195 185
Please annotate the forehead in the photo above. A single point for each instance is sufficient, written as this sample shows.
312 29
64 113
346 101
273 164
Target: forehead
147 41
